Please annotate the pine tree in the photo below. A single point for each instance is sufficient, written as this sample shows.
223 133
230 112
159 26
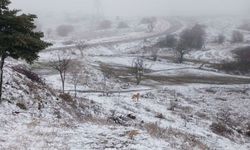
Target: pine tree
18 38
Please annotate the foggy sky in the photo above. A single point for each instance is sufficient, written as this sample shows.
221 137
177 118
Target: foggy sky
137 7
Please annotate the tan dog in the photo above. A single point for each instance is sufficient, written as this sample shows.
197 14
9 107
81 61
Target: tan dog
136 97
133 133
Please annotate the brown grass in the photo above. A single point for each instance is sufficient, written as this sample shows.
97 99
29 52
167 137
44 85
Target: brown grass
170 134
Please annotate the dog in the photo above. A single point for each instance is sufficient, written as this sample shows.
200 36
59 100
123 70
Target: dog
136 97
133 133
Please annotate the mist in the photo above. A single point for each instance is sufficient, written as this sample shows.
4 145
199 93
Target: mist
137 7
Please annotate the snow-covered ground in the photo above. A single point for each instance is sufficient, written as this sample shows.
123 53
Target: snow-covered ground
177 107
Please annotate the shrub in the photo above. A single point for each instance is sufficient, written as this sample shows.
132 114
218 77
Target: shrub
69 42
193 38
173 105
245 26
170 41
105 24
64 30
21 106
221 129
138 69
220 39
29 74
189 141
237 67
66 97
237 37
243 54
160 116
241 65
248 129
148 20
122 25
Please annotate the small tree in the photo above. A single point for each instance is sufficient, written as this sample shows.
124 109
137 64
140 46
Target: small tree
151 26
76 74
64 30
122 25
154 53
150 22
220 39
18 38
138 68
61 65
105 24
181 50
170 41
81 45
237 37
193 38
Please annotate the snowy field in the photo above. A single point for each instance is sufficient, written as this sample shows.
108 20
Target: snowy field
180 105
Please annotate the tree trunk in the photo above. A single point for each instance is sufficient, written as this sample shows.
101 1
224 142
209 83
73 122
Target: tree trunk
75 90
1 75
81 51
62 79
63 85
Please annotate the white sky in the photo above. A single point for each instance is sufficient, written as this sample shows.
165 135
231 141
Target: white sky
137 7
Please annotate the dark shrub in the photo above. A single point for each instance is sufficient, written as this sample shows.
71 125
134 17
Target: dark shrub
160 116
122 25
70 42
21 106
245 26
243 53
220 39
29 74
148 20
105 24
193 38
220 129
64 30
66 97
169 41
242 63
248 129
237 37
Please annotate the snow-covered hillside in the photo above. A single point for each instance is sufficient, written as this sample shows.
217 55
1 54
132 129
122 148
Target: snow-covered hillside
192 105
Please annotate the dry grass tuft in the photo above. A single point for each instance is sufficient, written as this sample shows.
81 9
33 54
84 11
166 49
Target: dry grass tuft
173 135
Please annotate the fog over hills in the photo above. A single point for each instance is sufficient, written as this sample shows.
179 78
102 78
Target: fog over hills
138 7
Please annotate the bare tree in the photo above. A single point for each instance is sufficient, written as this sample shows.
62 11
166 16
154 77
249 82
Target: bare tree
181 50
138 69
76 74
81 45
62 65
193 38
154 53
